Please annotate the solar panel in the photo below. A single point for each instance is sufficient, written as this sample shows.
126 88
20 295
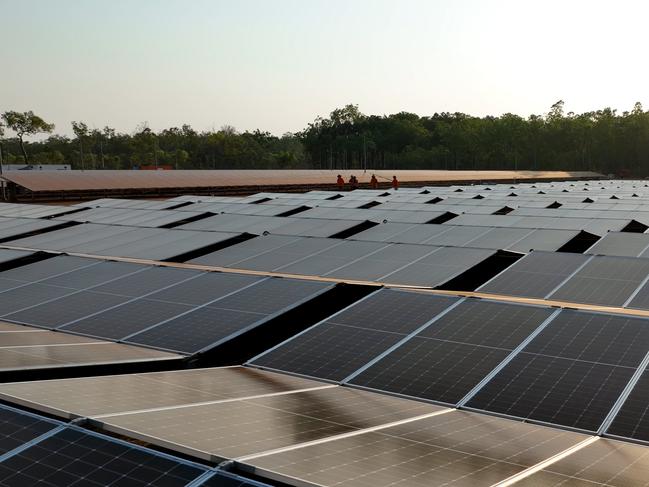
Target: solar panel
274 258
255 425
47 268
621 244
332 258
17 428
438 267
166 245
124 241
572 373
345 342
640 299
74 237
128 319
76 457
535 275
194 331
32 211
457 236
65 309
230 256
498 238
113 237
456 448
548 240
487 220
29 295
632 421
91 276
226 317
92 396
390 232
271 295
604 462
150 280
383 262
29 337
205 288
450 357
605 281
307 227
78 354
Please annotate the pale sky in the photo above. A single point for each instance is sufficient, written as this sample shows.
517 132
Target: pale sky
277 64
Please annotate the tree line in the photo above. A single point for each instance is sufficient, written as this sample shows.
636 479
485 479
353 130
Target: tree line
604 141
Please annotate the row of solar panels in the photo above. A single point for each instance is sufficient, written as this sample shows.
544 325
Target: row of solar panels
35 450
304 432
562 367
126 241
590 279
25 350
177 310
596 221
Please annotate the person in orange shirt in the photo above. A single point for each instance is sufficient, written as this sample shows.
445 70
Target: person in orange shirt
353 182
340 182
395 182
374 183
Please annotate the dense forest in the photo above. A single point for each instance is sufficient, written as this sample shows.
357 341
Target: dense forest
602 140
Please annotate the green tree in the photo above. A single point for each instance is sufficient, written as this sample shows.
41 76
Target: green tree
81 132
26 123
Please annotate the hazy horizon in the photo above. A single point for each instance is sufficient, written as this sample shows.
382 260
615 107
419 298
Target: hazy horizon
277 65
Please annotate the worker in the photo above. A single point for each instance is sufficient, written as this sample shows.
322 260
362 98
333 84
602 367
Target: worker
374 183
353 182
340 182
395 183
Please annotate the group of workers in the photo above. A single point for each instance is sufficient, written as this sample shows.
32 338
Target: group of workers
353 182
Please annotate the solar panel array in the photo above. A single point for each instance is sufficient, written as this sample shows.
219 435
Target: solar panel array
290 429
596 279
416 265
133 217
167 308
38 451
124 241
401 387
